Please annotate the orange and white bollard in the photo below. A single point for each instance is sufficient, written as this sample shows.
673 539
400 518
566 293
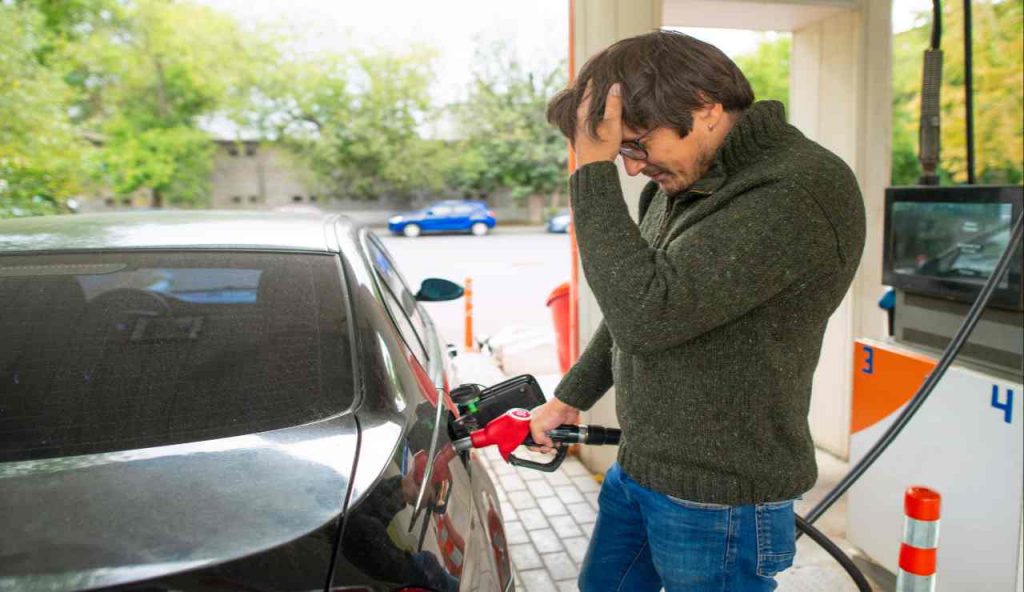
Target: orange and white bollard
468 296
920 540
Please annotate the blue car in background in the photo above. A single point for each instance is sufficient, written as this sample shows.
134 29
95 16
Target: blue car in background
445 216
559 222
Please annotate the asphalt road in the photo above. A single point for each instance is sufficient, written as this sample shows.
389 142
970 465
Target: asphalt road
514 269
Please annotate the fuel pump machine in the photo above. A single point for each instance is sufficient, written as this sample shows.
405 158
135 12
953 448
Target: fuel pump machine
966 441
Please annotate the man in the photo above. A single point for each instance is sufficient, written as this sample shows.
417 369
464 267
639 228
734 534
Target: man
714 310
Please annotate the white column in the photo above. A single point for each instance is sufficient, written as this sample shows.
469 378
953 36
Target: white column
841 97
600 23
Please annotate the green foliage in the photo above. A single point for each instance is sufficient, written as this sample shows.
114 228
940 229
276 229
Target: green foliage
353 119
767 69
174 163
39 150
178 62
998 95
506 140
133 76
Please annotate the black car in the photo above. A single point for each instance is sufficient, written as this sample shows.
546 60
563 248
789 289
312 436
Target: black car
227 401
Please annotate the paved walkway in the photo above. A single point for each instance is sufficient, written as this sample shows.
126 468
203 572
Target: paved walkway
548 520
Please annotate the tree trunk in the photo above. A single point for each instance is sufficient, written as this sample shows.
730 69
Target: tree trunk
158 198
161 88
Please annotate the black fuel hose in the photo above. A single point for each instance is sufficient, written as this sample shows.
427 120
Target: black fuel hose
832 549
958 341
804 525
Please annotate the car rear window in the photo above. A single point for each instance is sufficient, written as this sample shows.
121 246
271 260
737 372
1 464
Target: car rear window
117 351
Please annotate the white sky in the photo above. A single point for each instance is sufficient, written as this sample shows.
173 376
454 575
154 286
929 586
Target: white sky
538 29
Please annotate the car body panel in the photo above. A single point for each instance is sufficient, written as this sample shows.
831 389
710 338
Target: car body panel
105 519
375 497
170 230
444 216
435 537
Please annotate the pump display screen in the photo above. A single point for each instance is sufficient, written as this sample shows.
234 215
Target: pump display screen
950 240
947 241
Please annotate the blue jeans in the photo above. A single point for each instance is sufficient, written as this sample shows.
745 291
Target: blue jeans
644 540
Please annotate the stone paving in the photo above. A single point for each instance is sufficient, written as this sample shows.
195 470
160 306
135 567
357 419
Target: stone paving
548 519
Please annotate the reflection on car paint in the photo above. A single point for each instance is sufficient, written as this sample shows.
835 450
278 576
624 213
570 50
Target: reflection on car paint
499 544
385 537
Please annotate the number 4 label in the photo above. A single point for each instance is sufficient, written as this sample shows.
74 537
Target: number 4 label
1007 406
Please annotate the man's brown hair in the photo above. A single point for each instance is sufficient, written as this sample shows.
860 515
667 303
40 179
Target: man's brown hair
664 77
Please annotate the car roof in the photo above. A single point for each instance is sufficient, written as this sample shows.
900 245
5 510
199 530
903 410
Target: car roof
460 202
172 230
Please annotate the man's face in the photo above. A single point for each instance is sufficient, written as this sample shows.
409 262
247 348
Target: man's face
674 163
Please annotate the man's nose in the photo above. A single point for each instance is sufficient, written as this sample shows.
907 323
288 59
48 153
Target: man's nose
633 167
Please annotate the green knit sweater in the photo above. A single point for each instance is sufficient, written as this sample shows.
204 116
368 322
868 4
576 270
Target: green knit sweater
714 311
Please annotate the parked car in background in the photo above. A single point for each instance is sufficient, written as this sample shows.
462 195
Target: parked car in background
559 222
229 401
445 216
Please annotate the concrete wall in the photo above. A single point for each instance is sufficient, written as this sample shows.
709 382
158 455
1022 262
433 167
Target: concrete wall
250 175
247 175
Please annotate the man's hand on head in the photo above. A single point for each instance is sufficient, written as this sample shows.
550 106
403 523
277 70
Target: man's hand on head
609 130
547 417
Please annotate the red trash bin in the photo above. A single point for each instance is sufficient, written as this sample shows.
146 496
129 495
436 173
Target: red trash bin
558 302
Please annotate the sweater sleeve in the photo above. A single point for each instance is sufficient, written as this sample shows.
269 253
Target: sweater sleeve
714 272
591 376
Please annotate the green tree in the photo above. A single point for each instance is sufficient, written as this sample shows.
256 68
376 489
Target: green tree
998 95
767 69
40 151
506 142
177 63
135 77
353 119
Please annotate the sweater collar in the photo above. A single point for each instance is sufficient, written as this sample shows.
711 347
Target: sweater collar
760 127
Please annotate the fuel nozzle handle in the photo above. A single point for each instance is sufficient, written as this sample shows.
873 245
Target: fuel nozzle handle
581 434
563 436
511 430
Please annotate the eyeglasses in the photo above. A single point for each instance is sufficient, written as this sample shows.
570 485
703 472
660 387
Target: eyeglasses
634 149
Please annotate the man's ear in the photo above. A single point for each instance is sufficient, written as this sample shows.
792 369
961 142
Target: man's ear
708 115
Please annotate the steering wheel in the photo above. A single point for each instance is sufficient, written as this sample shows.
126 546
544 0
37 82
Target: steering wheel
132 301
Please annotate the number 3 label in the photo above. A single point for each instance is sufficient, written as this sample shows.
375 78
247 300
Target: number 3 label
1007 406
869 360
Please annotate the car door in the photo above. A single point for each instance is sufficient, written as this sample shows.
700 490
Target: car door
462 216
438 218
445 514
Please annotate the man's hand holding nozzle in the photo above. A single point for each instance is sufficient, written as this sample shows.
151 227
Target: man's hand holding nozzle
547 417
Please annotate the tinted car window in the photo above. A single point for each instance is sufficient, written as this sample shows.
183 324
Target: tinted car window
399 300
114 351
404 327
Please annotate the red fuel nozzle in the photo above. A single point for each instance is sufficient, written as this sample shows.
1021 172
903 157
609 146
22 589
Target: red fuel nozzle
511 430
507 432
